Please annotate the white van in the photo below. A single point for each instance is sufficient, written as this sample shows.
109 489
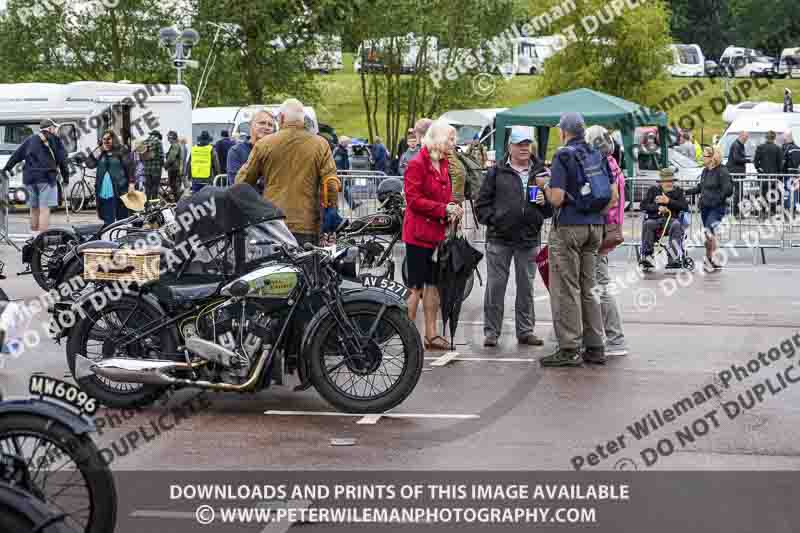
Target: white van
757 125
84 110
734 112
374 52
747 63
327 56
789 64
688 61
234 119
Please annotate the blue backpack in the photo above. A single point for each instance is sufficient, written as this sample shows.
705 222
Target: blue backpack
593 180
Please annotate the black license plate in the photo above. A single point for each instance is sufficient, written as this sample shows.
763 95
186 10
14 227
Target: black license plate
387 284
61 391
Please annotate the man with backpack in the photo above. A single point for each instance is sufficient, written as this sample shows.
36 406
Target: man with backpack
581 189
44 155
513 208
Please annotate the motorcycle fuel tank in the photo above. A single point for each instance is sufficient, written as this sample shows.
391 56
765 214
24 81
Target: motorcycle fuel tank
270 281
376 224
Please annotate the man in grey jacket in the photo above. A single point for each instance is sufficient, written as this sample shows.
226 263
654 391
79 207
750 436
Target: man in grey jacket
420 129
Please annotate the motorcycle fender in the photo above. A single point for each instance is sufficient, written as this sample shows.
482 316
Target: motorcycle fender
365 294
76 423
97 244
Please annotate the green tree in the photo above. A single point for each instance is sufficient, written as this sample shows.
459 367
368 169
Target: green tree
61 41
771 29
707 23
624 54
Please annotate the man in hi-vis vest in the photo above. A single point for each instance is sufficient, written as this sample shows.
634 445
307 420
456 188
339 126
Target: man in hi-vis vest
204 163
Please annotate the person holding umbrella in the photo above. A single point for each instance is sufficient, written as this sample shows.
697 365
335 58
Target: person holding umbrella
429 206
513 208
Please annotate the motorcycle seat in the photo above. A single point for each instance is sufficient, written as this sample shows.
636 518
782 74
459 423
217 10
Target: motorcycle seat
182 294
88 230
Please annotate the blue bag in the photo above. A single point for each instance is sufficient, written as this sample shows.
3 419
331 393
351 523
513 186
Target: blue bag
593 180
330 219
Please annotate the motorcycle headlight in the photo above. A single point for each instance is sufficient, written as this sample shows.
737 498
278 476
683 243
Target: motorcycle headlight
348 262
19 195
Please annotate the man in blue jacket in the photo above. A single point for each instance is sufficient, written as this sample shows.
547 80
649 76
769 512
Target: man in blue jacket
263 124
44 155
380 154
222 147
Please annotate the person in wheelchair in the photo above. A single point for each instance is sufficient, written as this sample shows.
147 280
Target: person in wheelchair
663 202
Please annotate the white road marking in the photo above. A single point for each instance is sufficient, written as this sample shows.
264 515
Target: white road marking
493 359
366 418
445 359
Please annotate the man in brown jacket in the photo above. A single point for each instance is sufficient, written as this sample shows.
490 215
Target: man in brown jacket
299 172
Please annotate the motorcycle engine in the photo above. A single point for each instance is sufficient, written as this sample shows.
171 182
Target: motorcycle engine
371 252
246 335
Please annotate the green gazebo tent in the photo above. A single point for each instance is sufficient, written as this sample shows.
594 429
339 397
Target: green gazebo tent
596 108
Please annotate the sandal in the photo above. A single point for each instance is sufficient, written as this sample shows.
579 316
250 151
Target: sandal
432 345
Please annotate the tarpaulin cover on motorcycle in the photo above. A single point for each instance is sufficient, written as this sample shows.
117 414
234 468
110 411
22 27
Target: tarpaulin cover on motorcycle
234 209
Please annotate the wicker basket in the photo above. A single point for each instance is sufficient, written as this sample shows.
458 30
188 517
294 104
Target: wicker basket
122 265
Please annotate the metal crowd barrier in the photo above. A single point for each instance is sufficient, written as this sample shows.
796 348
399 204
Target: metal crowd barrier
763 213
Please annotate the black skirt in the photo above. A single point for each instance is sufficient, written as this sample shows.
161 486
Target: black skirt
421 268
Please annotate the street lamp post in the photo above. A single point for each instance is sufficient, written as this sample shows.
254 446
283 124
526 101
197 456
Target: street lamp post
180 47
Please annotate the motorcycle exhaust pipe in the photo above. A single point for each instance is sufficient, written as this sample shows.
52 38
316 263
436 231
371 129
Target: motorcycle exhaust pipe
148 372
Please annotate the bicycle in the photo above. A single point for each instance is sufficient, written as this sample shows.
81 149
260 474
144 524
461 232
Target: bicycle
83 194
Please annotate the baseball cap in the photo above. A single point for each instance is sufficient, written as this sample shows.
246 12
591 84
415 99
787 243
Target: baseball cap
520 134
47 123
572 122
666 174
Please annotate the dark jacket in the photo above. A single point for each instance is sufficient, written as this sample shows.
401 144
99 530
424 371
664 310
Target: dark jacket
769 158
173 163
341 158
677 202
737 158
222 147
122 178
40 167
381 157
714 188
504 208
791 158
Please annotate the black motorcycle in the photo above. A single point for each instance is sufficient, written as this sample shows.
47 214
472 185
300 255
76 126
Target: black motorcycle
377 234
51 473
272 308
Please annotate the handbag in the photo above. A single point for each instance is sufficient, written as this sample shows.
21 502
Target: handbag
612 233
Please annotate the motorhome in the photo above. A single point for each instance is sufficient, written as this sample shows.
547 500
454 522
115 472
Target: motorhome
234 119
373 53
734 112
747 63
84 110
327 56
688 61
789 64
757 125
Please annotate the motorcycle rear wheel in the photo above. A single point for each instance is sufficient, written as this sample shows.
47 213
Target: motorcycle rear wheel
41 255
394 324
62 444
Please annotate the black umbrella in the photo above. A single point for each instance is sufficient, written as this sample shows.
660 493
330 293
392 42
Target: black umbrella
457 259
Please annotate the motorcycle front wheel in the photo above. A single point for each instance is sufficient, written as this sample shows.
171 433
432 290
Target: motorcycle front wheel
380 378
67 472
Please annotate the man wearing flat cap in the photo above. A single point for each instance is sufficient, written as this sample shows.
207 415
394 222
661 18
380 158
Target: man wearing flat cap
573 245
663 202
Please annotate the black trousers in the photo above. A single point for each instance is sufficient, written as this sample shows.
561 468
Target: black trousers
152 186
175 184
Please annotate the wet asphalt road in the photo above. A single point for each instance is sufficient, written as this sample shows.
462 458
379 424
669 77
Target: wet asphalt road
496 408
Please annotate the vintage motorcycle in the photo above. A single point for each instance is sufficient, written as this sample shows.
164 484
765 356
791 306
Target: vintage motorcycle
52 476
377 234
273 308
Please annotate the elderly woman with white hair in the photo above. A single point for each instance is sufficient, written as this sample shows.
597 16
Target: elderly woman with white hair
429 207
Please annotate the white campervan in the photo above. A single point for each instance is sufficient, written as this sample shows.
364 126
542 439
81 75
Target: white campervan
84 110
374 51
746 63
688 61
789 64
734 112
471 122
757 125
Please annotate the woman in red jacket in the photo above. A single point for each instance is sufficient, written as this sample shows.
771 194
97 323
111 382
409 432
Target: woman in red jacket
429 206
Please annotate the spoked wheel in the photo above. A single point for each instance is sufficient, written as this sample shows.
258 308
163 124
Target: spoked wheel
67 471
688 264
79 196
97 337
51 245
383 375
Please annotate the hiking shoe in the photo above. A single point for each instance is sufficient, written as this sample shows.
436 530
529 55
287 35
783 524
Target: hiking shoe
595 356
647 261
562 358
531 340
490 342
674 265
